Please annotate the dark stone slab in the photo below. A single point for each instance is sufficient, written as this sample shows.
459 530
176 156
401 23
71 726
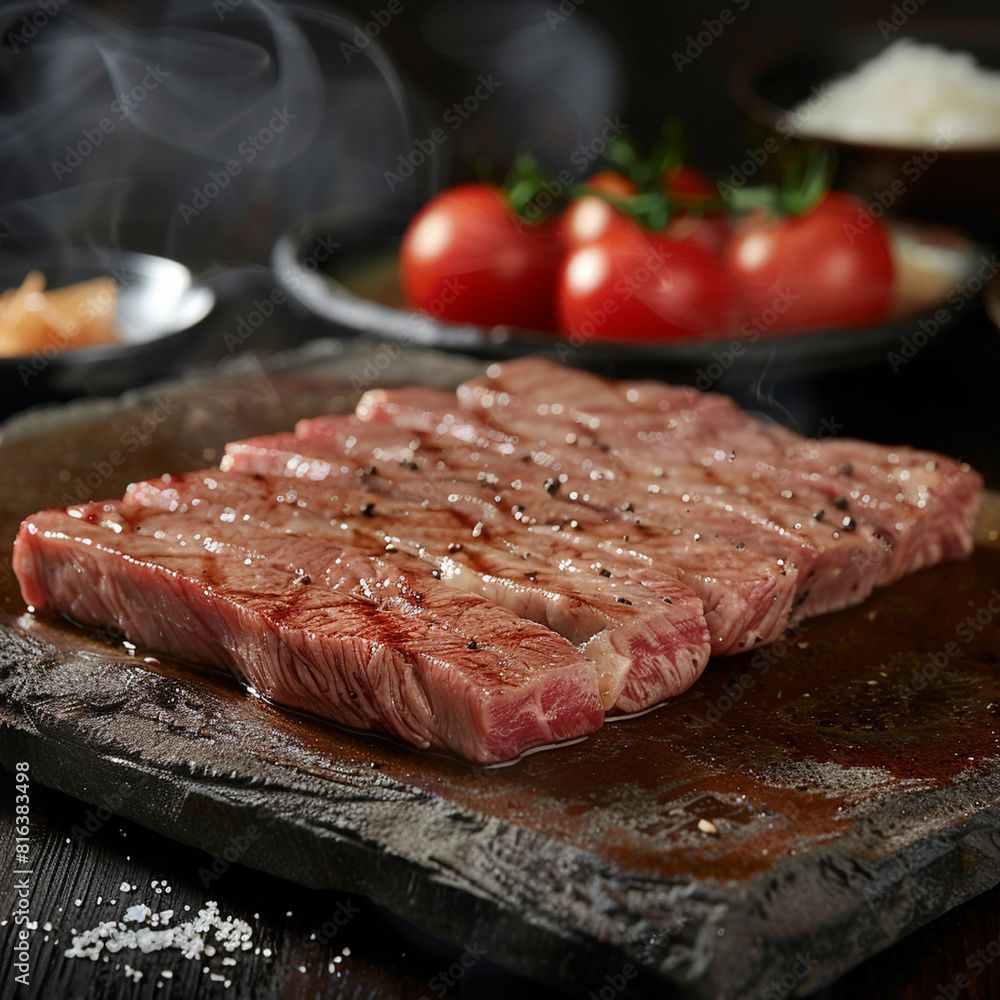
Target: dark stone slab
848 778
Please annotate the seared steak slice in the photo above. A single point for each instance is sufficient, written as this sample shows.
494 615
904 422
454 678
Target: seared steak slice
644 649
919 505
747 596
744 573
925 503
315 626
893 510
834 566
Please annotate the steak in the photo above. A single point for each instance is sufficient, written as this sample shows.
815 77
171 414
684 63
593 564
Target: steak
315 626
647 643
493 570
921 505
747 596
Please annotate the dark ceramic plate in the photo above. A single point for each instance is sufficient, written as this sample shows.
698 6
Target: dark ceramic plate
160 310
342 268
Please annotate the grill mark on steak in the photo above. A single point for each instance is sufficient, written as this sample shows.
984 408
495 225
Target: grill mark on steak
910 508
742 598
364 662
574 600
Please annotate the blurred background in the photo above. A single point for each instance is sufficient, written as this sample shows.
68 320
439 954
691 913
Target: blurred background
360 83
201 130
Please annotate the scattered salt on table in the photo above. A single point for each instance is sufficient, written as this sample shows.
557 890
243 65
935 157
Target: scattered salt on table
190 937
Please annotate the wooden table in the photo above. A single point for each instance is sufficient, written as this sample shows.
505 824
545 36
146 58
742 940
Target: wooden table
388 958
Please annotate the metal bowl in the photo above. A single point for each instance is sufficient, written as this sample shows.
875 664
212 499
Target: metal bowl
161 308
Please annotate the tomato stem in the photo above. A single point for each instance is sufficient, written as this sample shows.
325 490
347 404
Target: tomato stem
525 181
647 172
805 181
669 152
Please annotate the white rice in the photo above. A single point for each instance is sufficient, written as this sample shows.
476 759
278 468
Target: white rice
909 95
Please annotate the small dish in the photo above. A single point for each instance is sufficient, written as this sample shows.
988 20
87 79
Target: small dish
160 311
954 184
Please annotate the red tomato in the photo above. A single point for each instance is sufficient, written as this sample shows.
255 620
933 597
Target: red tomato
831 266
588 218
709 233
634 285
467 257
610 182
707 227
